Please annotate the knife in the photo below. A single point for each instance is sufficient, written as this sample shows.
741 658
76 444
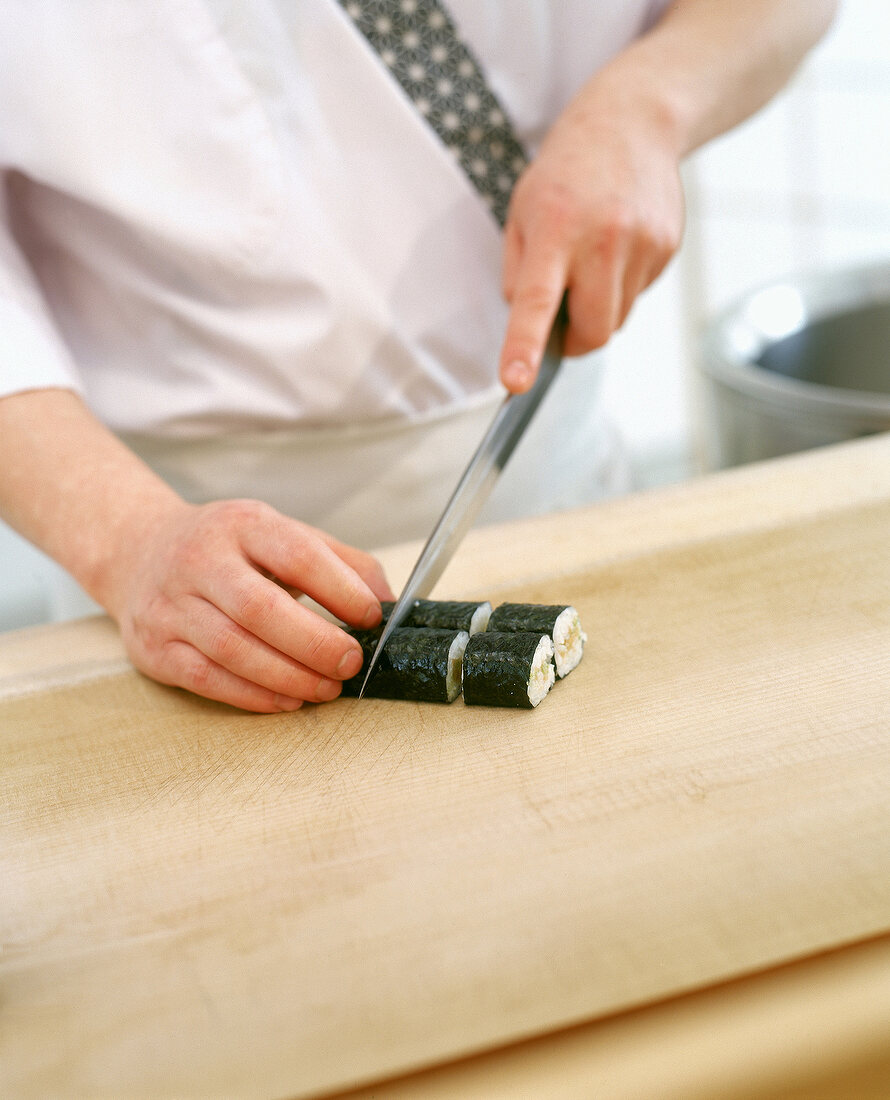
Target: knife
474 487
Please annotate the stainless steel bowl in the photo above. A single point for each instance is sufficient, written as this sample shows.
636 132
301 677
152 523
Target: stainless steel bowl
798 363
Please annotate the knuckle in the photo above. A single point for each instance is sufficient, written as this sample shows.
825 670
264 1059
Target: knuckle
610 232
200 675
232 516
316 648
610 241
300 555
147 632
241 510
621 220
254 605
534 297
355 602
559 208
227 646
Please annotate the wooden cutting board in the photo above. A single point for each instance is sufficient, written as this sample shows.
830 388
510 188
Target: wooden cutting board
198 901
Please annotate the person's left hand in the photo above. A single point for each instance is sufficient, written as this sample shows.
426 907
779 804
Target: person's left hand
598 213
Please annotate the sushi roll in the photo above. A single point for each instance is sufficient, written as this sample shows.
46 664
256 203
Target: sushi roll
559 621
510 669
420 664
469 615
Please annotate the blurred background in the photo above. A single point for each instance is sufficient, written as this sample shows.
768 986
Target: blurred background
803 187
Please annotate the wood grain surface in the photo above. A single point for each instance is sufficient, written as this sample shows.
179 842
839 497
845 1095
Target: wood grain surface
202 902
817 1029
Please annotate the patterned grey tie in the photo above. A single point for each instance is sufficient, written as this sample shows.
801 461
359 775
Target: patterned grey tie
420 45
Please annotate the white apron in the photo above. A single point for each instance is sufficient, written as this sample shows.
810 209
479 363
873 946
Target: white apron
372 486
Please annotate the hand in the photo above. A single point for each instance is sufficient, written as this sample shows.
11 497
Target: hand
197 591
599 213
198 607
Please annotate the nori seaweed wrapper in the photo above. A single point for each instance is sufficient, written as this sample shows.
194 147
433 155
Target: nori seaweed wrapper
441 614
498 666
413 666
560 621
539 618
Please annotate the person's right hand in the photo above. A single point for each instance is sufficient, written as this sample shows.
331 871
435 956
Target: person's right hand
198 607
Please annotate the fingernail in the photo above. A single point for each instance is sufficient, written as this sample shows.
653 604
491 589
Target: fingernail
517 374
327 690
372 616
350 663
284 702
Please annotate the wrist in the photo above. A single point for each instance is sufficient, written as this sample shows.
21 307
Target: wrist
111 557
74 489
634 95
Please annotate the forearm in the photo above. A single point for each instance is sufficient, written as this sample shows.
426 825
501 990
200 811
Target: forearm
190 586
599 211
709 64
71 487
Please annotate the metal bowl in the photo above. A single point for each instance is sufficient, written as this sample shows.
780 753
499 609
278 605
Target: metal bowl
798 363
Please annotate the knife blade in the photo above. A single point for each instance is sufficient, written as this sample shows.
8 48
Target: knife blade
475 485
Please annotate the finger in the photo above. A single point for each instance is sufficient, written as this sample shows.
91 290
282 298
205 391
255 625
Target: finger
266 611
636 278
298 556
658 261
647 259
366 565
229 645
192 670
512 257
595 299
537 293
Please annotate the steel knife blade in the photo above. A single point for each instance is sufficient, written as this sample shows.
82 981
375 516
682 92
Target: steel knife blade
474 487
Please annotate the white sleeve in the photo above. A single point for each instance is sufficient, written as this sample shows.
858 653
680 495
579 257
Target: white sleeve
33 354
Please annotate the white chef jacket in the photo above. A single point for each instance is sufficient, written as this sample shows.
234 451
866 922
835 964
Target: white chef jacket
225 220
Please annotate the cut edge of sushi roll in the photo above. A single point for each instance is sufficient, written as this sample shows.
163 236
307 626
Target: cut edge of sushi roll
454 675
541 675
481 615
568 641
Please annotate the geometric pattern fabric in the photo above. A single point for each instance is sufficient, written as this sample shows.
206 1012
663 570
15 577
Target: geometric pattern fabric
420 45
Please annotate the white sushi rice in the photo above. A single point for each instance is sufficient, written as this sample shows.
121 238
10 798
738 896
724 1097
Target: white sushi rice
454 676
568 641
480 618
541 676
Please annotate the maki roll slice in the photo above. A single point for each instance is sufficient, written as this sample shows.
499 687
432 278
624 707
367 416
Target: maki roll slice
509 669
419 664
469 615
559 621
